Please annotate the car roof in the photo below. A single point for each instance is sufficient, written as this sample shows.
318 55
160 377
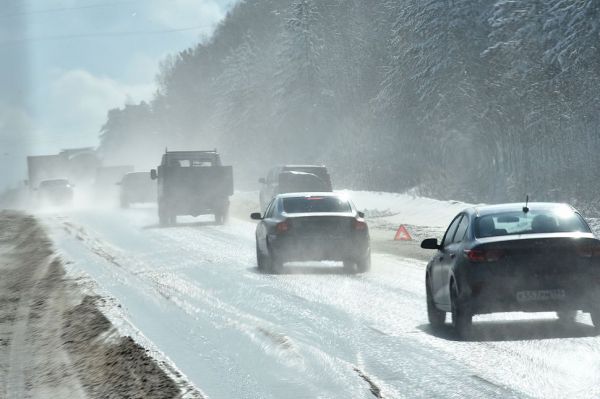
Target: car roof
187 153
60 180
309 194
136 174
482 210
303 166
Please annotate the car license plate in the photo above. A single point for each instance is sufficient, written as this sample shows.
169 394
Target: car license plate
540 295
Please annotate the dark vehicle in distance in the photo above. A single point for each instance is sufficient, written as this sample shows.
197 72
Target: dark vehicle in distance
136 187
312 227
105 183
192 183
502 258
55 192
293 179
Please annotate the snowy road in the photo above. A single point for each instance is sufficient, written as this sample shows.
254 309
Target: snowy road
313 332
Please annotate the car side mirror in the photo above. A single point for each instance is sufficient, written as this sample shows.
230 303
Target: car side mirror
153 174
430 243
262 180
255 216
361 214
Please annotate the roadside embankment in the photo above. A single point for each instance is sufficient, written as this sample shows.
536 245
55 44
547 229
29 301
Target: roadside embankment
54 341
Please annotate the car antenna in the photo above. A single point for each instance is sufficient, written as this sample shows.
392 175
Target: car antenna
526 208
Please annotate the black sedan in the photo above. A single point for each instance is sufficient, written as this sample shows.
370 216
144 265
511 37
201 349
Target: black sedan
312 227
502 258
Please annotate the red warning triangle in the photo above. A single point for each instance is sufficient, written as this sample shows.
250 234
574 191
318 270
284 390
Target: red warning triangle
402 234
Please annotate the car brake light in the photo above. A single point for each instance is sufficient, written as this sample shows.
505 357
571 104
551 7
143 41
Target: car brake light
481 255
359 225
282 227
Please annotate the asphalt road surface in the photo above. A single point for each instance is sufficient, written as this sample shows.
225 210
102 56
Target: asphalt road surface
194 292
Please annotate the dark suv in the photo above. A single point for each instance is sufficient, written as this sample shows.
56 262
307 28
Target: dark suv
293 179
137 187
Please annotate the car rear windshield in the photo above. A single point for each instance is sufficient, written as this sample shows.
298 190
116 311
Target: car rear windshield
295 182
316 205
559 220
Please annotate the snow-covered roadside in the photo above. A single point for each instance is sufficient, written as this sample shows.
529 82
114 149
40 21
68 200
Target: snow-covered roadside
394 208
55 342
385 212
397 208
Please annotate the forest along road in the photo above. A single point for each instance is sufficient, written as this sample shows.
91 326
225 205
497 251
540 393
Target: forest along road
193 290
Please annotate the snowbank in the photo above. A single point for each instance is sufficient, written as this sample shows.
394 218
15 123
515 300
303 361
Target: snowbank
394 208
405 208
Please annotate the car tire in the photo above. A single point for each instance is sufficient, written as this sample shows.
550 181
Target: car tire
595 315
222 214
566 316
436 317
276 265
163 218
462 318
260 259
364 264
271 264
349 266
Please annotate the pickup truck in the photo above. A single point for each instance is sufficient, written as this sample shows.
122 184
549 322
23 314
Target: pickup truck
192 183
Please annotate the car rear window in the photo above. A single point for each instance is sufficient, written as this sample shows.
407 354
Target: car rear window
560 220
316 204
297 182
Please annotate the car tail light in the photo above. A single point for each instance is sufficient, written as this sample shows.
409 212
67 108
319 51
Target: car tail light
588 251
484 255
282 227
359 225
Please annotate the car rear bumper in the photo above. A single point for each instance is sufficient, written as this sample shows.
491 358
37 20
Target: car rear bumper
289 249
533 295
194 206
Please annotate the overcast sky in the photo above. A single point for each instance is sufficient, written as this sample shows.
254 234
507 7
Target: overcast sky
65 63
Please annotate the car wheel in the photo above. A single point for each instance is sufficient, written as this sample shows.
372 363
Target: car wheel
566 316
436 317
364 264
595 314
462 319
222 214
349 266
276 265
271 264
260 259
163 218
